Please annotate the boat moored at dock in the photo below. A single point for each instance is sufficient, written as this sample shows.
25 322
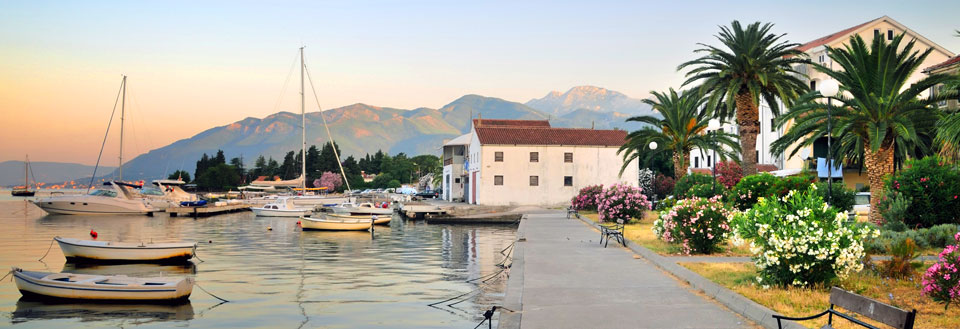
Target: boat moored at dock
116 200
68 286
326 223
89 251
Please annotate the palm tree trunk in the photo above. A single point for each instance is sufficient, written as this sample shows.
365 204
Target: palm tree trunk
748 118
879 164
680 164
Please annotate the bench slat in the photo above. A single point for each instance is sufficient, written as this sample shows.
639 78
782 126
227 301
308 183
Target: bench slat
884 313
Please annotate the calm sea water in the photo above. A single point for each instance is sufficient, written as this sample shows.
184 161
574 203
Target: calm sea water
284 278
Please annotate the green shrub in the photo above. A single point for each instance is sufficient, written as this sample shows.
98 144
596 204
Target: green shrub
798 240
784 185
750 188
843 197
938 236
933 190
683 185
698 225
900 264
706 191
896 206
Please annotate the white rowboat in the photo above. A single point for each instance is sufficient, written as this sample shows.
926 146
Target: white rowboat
282 207
328 224
77 250
381 220
101 287
368 208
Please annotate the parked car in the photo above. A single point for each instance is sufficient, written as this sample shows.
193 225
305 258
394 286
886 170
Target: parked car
430 193
861 207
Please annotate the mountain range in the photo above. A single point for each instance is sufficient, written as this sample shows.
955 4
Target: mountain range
360 128
11 172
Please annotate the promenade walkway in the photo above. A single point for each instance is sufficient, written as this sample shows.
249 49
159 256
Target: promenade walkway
563 278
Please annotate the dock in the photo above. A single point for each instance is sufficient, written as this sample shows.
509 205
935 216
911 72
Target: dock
420 210
205 211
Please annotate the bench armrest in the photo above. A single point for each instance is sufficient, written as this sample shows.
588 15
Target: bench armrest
781 317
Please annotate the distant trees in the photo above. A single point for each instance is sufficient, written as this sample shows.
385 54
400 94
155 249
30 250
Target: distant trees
180 174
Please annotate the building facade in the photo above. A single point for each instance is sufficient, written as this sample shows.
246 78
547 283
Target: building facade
816 50
527 162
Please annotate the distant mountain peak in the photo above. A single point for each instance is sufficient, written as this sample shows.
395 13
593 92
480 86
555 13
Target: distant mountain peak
588 97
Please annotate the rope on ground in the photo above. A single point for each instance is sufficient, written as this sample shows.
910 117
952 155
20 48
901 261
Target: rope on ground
197 256
208 293
48 250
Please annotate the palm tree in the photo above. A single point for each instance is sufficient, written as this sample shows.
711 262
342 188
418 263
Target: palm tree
756 64
948 129
880 119
680 128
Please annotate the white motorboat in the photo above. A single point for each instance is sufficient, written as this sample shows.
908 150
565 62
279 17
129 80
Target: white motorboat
77 250
117 200
368 208
326 223
282 207
166 193
380 220
101 287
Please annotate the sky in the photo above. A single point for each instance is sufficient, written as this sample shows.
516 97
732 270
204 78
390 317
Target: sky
195 65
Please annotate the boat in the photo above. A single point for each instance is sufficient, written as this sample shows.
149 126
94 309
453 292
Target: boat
167 193
68 286
326 223
381 220
117 200
25 189
77 250
368 208
282 207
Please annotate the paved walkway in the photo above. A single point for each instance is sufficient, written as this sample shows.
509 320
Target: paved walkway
570 281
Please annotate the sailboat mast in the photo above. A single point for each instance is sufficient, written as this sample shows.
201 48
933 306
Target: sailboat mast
303 130
26 163
122 107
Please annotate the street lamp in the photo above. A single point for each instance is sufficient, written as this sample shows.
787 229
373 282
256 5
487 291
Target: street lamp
653 146
829 88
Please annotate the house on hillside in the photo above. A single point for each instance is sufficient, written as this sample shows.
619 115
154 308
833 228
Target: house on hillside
950 66
528 162
883 27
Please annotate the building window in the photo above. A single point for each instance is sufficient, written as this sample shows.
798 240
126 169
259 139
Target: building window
876 33
568 157
889 35
534 157
498 156
758 155
456 181
534 180
567 180
709 160
497 180
813 84
773 125
696 162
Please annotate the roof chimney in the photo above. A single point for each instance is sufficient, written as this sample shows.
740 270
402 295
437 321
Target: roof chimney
591 125
479 119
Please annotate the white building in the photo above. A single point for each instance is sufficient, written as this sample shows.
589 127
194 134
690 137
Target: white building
883 27
527 162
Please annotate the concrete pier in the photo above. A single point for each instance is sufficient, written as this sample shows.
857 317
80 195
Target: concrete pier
563 278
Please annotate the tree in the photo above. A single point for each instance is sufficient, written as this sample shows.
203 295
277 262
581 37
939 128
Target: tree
328 160
219 177
754 65
259 166
880 119
220 158
382 180
181 175
948 129
289 169
679 129
202 165
425 164
313 163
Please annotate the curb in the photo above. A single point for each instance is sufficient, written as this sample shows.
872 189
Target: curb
513 296
732 300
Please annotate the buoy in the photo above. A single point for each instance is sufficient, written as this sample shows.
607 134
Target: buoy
93 234
269 228
298 223
209 241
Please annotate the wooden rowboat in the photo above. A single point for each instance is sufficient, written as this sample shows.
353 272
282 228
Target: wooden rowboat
101 287
77 250
381 220
329 224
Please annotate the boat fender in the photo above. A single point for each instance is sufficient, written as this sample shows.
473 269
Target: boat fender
93 234
269 228
298 223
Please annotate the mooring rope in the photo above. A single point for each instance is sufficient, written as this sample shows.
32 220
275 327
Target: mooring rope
8 274
48 250
508 247
197 284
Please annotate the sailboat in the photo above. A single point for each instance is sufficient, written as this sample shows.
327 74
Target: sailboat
25 190
115 201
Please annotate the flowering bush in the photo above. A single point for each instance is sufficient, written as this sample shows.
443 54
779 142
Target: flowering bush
681 189
729 173
329 180
799 240
751 188
942 280
784 185
621 201
646 182
586 199
706 191
931 189
664 185
698 225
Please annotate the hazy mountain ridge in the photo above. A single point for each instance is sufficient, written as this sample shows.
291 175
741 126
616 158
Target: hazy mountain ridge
589 98
357 128
11 172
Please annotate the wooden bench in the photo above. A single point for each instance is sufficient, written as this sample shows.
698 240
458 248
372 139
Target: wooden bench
880 312
615 231
572 212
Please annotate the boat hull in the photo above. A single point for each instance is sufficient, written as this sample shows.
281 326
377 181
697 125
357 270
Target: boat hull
364 211
92 206
261 212
381 220
333 225
34 287
81 253
22 193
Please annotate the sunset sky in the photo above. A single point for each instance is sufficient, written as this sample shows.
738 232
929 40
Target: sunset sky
196 65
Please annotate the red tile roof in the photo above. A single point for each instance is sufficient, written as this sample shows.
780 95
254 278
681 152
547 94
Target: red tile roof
704 171
949 62
507 135
766 167
830 38
511 123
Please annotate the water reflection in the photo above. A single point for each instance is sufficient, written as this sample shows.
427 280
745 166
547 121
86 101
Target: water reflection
275 278
133 314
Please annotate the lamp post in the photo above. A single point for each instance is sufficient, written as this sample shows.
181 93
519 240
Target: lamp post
829 88
653 146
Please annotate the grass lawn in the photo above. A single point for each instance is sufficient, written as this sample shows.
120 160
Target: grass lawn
641 232
741 278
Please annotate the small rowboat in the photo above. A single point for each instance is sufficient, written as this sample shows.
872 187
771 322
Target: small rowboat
282 207
77 250
329 224
367 208
381 220
101 287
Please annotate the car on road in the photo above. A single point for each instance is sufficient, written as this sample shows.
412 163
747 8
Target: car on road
433 194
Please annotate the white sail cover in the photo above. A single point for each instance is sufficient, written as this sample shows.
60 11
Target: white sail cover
291 182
